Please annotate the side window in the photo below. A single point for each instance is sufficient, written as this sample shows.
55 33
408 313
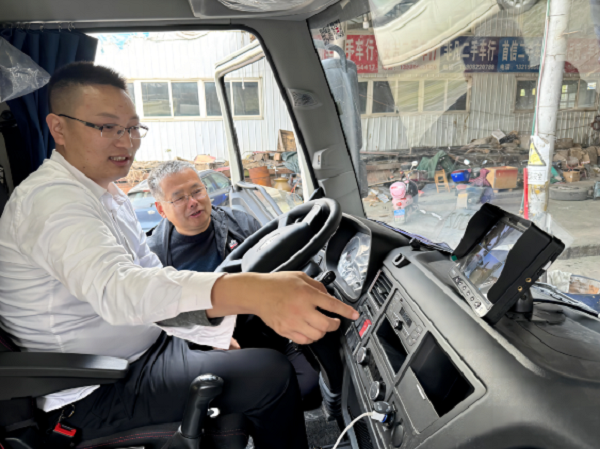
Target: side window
221 181
268 145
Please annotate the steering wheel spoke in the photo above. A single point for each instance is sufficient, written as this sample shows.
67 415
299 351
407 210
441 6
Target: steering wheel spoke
312 215
284 221
230 266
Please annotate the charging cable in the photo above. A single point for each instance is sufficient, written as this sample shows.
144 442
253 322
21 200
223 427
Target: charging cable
339 440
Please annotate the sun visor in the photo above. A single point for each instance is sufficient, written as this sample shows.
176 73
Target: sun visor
406 31
229 9
263 5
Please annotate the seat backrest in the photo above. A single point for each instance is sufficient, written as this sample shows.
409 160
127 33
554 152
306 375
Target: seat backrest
16 415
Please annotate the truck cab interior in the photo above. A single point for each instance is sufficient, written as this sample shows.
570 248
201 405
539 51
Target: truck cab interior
452 349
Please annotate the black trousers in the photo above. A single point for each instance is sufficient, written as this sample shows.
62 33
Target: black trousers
259 383
252 332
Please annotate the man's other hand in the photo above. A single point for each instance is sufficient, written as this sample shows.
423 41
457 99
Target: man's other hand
287 302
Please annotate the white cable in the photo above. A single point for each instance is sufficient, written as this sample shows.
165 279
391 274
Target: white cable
364 415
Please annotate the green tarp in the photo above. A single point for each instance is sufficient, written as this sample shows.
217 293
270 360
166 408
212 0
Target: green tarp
430 163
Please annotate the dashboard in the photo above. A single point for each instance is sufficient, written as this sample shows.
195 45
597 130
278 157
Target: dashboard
449 378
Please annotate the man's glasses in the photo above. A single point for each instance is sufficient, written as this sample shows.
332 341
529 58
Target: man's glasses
198 194
113 131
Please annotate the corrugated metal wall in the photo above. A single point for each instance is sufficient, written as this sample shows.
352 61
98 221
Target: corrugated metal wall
492 101
491 108
177 56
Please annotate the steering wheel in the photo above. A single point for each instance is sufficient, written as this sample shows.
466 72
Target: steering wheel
288 242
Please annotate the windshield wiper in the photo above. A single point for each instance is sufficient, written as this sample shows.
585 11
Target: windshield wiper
443 247
559 297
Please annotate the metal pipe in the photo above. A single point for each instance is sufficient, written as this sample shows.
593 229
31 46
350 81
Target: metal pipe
548 97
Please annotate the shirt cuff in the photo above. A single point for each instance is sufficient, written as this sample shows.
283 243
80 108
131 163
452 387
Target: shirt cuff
215 336
196 291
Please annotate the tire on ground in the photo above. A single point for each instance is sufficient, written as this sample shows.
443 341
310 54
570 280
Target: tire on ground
568 193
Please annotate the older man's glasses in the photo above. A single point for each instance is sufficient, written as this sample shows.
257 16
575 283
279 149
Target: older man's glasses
114 131
197 194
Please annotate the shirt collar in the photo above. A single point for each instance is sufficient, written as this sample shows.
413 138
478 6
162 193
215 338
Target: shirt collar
96 189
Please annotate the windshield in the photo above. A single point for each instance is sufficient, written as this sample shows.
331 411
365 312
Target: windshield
447 111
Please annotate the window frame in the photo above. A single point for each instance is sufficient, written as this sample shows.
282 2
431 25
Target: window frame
200 82
421 96
534 77
518 78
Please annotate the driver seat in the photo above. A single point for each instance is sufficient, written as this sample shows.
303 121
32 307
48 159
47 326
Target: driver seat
27 375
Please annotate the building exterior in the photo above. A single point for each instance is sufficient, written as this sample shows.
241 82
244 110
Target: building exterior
171 79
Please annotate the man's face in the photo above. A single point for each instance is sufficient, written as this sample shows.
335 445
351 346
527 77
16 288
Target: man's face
101 159
190 216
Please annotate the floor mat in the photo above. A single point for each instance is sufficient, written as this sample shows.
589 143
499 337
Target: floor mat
320 432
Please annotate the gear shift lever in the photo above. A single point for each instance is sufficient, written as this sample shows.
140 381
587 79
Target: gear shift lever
202 391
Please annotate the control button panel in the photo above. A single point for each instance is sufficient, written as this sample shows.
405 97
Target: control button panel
364 321
405 321
476 300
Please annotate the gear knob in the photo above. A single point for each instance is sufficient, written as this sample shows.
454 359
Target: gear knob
202 391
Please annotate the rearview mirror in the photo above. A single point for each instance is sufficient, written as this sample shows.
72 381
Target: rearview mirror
414 163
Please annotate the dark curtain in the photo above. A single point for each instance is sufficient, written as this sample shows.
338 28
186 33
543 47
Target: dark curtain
50 49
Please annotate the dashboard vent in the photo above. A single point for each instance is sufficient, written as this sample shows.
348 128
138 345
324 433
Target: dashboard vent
381 289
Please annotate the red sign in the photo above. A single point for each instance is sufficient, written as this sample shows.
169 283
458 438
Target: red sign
362 50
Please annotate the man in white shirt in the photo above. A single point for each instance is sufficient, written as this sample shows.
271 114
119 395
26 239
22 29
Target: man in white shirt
76 275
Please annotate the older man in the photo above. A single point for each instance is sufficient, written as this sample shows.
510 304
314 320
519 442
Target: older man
194 235
77 276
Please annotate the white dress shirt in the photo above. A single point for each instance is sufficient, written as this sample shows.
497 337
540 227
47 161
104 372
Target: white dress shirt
77 276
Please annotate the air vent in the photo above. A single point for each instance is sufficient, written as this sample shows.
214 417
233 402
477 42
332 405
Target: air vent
381 289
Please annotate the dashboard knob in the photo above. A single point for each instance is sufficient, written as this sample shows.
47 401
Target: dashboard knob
362 356
377 391
398 325
398 435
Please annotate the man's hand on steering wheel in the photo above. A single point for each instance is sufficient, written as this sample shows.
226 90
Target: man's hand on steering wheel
287 299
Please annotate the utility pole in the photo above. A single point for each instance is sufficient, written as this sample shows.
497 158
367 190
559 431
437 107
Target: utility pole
552 62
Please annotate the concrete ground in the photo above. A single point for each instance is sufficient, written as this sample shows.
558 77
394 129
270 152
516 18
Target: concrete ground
576 223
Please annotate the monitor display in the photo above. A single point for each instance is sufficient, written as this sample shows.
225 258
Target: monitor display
484 264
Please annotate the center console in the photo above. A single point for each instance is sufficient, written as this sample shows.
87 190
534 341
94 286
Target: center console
398 357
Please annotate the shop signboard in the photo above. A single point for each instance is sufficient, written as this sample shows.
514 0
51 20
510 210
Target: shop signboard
470 54
362 50
519 54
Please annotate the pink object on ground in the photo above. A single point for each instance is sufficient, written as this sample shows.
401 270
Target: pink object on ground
398 190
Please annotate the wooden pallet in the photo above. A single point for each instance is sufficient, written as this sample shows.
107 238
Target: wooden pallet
503 190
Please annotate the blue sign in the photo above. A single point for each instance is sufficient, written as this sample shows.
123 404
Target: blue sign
520 54
470 54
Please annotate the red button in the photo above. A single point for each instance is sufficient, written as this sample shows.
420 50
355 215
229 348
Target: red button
365 327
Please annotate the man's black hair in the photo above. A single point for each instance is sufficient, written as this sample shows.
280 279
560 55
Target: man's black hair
79 74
